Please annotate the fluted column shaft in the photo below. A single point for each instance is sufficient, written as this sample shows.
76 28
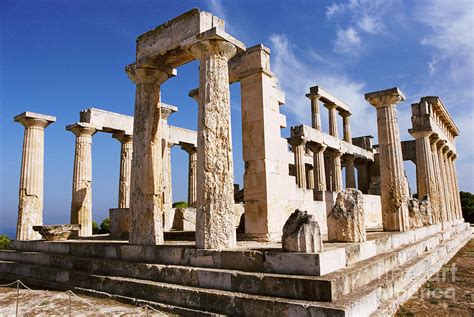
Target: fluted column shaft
299 151
30 205
452 186
346 127
146 201
192 174
81 204
315 112
448 184
319 173
392 172
437 214
456 187
310 178
215 228
332 120
363 177
336 171
442 180
126 152
350 172
425 169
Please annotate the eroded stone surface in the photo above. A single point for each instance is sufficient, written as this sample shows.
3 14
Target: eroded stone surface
301 233
184 219
56 232
420 212
346 219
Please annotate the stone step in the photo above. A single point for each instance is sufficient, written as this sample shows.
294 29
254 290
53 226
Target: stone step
359 303
268 259
326 288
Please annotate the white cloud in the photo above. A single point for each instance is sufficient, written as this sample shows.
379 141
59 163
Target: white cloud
347 41
296 75
370 24
334 9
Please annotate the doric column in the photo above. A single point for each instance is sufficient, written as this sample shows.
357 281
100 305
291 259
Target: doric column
215 228
438 214
363 176
192 180
452 186
336 171
332 119
442 180
166 111
30 205
298 146
315 111
146 202
346 126
319 172
126 152
392 172
456 187
328 171
350 173
447 183
425 169
81 203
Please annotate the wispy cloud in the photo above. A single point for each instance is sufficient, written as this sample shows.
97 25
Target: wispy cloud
347 41
297 73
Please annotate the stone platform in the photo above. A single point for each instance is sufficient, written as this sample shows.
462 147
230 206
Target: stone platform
251 279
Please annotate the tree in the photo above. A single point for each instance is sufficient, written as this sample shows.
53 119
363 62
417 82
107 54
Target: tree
467 205
180 204
105 226
95 227
4 241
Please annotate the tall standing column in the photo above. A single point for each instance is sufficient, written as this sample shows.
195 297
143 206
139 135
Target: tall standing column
146 202
126 152
298 146
319 173
166 111
452 186
192 179
315 111
346 126
438 214
30 205
215 227
332 119
392 172
442 180
456 187
81 203
447 177
363 176
350 173
425 169
336 171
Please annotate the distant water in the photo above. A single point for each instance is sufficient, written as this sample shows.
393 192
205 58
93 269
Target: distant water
9 231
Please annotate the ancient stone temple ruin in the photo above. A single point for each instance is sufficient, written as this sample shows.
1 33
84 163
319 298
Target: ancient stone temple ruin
359 243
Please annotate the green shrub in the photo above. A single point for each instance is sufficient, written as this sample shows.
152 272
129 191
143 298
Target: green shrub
467 205
4 241
95 227
105 226
180 204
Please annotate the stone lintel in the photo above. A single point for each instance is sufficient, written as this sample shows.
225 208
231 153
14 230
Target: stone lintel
107 121
84 125
33 115
219 34
328 98
441 110
179 135
379 98
409 150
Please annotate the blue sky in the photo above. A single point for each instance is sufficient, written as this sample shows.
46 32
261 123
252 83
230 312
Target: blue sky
60 57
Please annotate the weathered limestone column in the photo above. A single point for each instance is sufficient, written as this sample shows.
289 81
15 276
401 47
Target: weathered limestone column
319 172
442 180
438 214
298 146
315 112
363 176
425 169
146 202
452 186
310 177
81 204
328 171
350 172
192 180
30 205
166 157
392 172
346 126
215 228
332 119
126 152
456 187
446 183
336 171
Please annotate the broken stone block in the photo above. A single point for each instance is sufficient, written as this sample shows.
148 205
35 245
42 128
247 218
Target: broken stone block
184 219
420 212
301 233
56 232
346 219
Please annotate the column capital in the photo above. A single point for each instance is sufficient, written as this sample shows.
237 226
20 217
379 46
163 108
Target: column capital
335 153
189 148
313 96
81 129
317 147
330 105
345 114
385 98
213 47
146 74
295 141
349 157
32 119
122 137
194 93
167 110
419 134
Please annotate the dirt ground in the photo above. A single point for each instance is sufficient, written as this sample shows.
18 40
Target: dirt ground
450 292
46 303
